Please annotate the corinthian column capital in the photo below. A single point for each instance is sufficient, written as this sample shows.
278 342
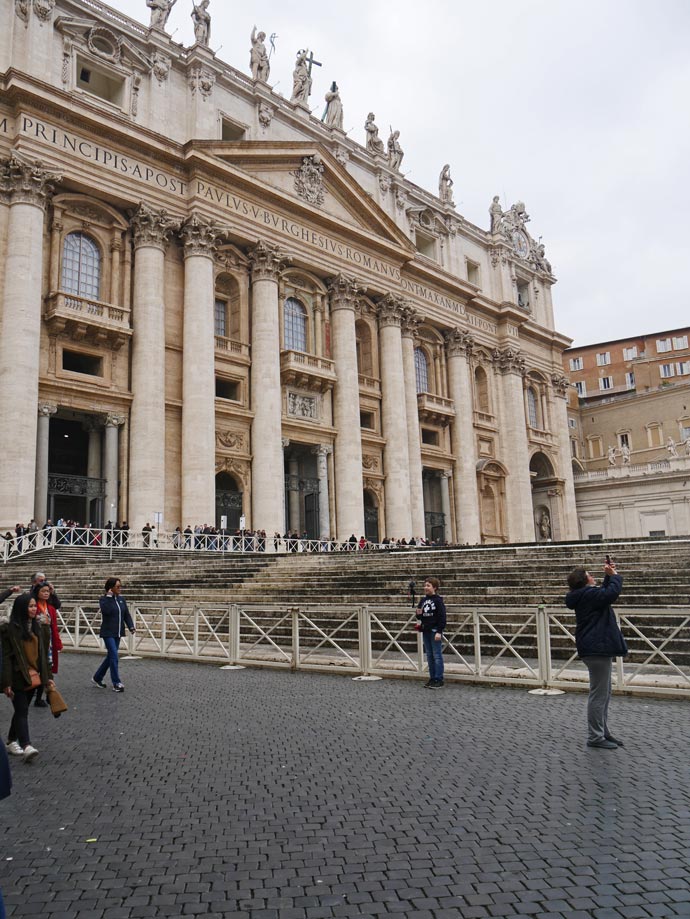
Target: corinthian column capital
411 322
115 421
560 384
509 360
200 236
459 342
267 261
391 310
344 292
47 409
26 181
151 227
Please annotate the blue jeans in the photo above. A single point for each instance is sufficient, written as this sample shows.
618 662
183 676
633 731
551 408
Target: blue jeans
110 662
434 655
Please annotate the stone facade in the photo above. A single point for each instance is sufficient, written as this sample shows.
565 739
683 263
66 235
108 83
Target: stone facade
215 305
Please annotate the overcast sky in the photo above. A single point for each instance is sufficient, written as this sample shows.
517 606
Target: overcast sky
579 108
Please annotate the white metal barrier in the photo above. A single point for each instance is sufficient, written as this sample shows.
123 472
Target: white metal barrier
526 646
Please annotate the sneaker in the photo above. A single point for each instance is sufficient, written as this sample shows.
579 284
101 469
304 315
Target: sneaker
437 684
15 749
99 683
428 684
29 753
118 687
40 703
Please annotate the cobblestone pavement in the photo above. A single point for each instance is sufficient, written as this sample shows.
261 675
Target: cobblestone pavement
273 795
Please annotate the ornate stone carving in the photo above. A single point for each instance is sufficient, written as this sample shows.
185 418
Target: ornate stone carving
301 406
411 322
370 462
539 259
458 341
322 450
66 59
266 113
151 227
160 65
104 43
258 58
47 409
202 81
374 142
560 384
114 420
44 9
445 186
21 8
509 360
136 86
26 181
374 485
231 440
391 310
400 199
267 261
309 180
344 292
236 467
385 182
200 236
342 156
499 255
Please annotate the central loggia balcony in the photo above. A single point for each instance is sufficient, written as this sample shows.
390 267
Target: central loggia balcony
87 320
435 409
307 370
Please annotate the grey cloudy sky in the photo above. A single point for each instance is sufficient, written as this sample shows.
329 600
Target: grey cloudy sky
579 109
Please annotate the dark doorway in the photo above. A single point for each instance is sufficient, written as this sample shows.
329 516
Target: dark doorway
371 519
71 495
311 515
228 502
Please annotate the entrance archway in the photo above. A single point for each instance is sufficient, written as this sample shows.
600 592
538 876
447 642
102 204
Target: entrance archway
545 492
371 517
491 477
229 501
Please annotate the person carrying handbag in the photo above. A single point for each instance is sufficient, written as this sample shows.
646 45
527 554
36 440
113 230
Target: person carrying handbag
25 642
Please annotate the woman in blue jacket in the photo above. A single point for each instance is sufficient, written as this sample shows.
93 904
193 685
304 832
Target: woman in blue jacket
599 641
115 616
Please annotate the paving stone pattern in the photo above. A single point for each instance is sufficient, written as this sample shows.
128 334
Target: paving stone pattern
272 795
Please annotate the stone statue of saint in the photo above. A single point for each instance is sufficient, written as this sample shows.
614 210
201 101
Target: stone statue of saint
671 447
258 58
445 185
625 452
545 525
202 23
687 447
374 142
540 259
611 453
301 80
496 214
395 151
333 116
160 12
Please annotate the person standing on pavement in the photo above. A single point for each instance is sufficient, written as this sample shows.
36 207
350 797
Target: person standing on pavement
431 612
47 613
599 641
25 641
115 616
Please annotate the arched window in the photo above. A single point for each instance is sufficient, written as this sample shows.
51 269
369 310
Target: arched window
421 370
481 391
81 266
294 325
532 408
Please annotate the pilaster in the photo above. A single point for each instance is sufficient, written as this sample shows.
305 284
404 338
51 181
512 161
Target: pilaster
410 324
561 385
459 347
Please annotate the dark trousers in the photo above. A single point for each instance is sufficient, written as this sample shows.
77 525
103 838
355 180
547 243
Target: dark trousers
19 727
110 662
599 696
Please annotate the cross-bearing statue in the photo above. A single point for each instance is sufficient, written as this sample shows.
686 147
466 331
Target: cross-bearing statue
258 58
301 79
160 12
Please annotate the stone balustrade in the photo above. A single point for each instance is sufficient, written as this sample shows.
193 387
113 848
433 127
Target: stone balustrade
82 318
307 370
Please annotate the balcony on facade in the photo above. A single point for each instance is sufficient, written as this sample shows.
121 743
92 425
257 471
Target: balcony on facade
370 385
231 349
435 409
316 374
87 320
634 470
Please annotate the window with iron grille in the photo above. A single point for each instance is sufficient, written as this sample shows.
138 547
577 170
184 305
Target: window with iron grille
421 370
220 316
81 266
294 325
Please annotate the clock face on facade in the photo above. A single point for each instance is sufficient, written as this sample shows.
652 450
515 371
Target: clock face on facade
520 244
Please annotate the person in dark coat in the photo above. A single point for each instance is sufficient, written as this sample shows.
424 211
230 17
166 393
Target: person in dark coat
599 640
115 616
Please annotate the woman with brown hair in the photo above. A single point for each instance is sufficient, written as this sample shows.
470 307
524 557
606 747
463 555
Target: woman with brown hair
48 614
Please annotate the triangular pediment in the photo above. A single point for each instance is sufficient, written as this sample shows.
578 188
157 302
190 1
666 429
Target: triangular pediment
311 176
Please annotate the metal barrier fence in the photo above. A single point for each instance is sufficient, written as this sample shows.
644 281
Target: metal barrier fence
531 647
224 543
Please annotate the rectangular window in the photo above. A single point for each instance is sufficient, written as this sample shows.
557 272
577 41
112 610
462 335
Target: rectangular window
630 354
683 367
680 343
630 380
654 435
666 371
227 389
596 448
573 447
231 130
572 422
76 362
624 440
581 388
366 420
685 431
576 363
107 86
663 345
220 318
657 532
603 358
472 272
430 437
605 382
523 295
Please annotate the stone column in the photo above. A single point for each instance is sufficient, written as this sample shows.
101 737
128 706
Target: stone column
268 481
111 467
349 491
200 237
93 463
293 494
410 324
511 368
151 230
459 345
565 463
391 311
26 187
45 412
445 507
322 454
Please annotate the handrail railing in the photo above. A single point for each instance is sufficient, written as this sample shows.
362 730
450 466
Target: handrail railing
524 646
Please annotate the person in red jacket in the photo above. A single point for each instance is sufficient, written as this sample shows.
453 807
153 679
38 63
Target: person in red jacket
47 613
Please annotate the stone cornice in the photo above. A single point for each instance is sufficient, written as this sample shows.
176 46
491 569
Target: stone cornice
459 343
267 261
509 360
200 236
24 181
152 227
344 292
